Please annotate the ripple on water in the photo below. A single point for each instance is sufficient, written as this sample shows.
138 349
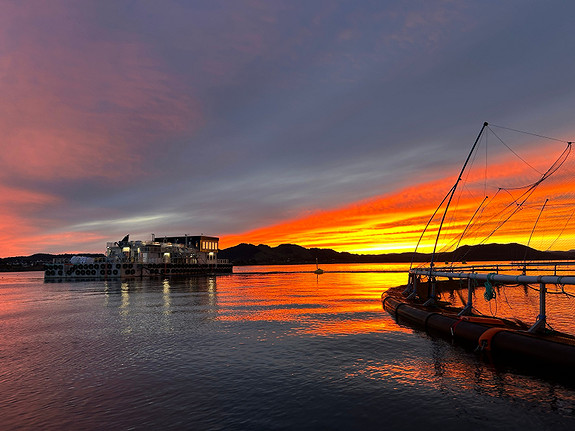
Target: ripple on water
266 351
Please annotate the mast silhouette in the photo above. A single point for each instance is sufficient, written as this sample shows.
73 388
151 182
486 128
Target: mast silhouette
451 194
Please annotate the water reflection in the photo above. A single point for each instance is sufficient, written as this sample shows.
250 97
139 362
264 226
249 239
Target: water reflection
460 377
338 302
520 302
248 351
171 295
166 297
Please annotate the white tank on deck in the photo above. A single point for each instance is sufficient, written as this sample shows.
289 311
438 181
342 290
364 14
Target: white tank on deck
81 259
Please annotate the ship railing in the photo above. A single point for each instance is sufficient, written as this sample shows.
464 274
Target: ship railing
223 261
523 268
496 277
491 274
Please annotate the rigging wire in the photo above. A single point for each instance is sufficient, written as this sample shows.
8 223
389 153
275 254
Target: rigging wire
509 211
522 199
511 149
527 133
452 224
562 230
533 230
494 213
427 225
452 192
470 221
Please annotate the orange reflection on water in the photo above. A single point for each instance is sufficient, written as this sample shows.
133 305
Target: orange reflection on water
354 327
442 367
521 302
346 299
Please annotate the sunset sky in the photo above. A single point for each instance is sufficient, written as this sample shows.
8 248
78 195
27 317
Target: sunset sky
336 124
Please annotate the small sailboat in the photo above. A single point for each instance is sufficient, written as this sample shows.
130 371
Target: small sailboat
318 270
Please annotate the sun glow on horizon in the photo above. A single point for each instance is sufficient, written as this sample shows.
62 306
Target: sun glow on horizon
391 223
394 223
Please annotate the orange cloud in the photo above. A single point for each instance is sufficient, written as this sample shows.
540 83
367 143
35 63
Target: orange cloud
22 236
394 223
76 105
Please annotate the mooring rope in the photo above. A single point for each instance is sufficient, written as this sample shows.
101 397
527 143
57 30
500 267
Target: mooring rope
489 291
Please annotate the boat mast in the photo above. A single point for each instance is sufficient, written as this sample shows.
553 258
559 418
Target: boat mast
453 193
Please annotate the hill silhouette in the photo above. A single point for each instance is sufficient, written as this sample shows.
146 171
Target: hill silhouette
249 254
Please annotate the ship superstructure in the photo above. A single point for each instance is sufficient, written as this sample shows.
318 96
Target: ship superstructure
161 256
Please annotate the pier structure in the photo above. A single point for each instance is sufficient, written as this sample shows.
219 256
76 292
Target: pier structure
549 273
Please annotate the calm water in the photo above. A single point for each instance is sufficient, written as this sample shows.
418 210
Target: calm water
264 348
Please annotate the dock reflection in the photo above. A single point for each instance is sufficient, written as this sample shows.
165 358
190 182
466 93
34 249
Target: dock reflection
168 295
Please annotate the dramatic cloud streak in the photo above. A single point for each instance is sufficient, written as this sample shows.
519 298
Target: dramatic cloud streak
395 222
256 116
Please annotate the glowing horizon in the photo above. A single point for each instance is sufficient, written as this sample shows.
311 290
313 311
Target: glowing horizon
275 123
394 223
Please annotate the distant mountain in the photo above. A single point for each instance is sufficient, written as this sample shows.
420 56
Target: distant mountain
510 252
249 254
35 262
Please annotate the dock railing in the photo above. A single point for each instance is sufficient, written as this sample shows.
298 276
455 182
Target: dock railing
555 273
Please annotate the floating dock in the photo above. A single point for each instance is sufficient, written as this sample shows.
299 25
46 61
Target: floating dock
166 256
500 340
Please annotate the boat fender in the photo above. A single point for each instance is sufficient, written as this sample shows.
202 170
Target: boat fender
397 308
486 338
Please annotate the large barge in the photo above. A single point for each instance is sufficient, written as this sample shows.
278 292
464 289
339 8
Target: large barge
160 257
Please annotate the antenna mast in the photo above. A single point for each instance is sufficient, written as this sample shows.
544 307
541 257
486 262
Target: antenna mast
449 202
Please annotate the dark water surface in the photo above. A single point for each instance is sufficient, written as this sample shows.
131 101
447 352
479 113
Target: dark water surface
264 348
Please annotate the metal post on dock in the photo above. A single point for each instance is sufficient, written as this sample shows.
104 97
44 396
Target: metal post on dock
467 309
409 289
431 301
414 280
541 321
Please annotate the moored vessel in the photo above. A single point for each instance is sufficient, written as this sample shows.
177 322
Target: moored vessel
520 211
160 257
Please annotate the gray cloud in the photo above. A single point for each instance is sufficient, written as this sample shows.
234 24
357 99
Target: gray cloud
279 108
